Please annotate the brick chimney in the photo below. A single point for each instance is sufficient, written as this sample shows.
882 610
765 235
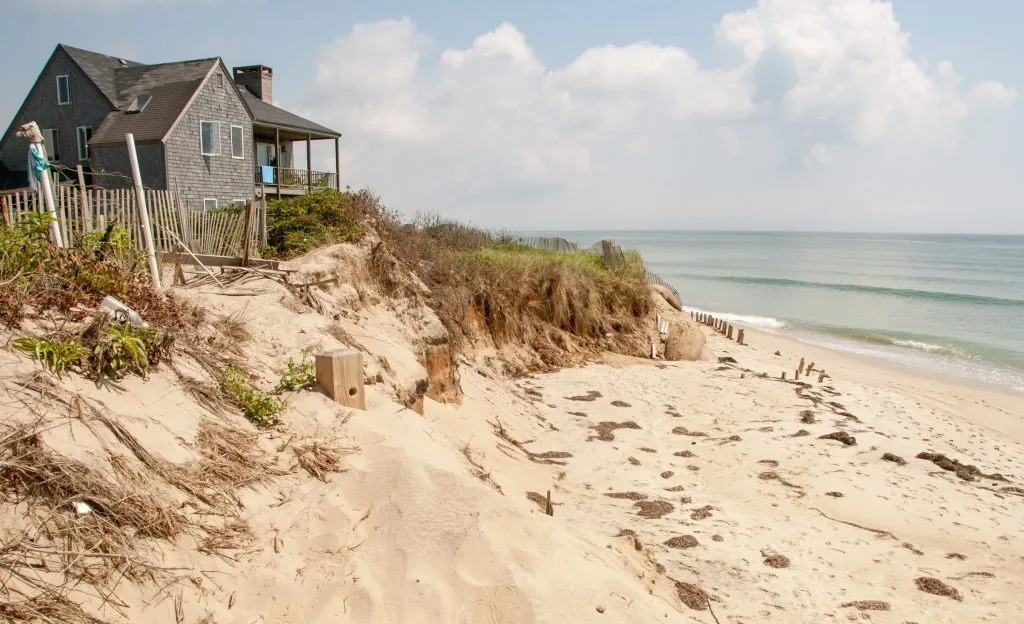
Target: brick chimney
258 79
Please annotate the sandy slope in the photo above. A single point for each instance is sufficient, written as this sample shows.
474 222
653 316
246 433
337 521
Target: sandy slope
436 518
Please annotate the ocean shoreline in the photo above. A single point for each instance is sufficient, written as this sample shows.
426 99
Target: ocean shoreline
820 339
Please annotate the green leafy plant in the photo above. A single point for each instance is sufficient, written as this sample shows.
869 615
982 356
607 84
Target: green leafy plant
57 356
300 376
259 406
123 349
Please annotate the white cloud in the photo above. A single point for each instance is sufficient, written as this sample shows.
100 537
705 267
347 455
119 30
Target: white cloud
808 91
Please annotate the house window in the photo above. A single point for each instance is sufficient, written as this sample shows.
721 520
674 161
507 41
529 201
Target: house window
84 134
209 138
51 141
237 146
63 89
210 204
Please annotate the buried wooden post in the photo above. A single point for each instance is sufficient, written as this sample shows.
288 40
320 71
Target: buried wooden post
800 369
822 377
810 369
739 337
783 375
730 333
340 372
548 507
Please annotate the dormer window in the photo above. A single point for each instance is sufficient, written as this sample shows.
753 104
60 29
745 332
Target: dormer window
138 104
63 89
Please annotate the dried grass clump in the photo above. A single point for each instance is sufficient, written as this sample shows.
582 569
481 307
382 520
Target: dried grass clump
867 605
46 607
605 430
120 509
319 460
777 561
234 534
692 596
232 458
936 587
633 496
652 510
682 541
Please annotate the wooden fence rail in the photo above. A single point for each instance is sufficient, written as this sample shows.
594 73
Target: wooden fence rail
80 211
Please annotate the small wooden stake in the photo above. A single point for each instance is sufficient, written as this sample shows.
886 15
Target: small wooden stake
800 369
783 374
739 337
810 369
340 372
548 507
822 376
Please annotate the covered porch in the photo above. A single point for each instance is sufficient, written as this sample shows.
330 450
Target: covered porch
275 171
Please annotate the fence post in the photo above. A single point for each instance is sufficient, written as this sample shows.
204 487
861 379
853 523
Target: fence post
140 198
248 234
83 201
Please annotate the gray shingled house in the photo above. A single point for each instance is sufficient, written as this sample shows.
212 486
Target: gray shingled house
211 135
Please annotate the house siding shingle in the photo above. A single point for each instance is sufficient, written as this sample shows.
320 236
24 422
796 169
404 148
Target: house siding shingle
88 107
114 162
197 177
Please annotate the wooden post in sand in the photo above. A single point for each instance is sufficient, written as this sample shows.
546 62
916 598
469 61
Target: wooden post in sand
739 337
729 336
340 372
822 377
810 369
800 369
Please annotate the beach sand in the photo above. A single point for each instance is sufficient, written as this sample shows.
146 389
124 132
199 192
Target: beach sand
721 452
670 483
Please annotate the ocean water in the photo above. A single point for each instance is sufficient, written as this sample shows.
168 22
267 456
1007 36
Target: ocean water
950 304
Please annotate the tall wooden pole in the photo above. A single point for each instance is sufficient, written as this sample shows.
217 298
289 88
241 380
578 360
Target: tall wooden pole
140 201
337 165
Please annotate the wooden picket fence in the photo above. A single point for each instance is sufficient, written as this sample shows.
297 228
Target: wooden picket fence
94 209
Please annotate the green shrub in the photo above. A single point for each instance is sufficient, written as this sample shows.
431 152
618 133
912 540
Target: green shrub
301 376
259 406
296 225
57 356
122 349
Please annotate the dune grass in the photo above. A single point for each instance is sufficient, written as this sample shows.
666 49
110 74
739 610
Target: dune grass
477 278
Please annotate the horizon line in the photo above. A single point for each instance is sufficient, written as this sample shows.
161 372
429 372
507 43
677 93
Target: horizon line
733 231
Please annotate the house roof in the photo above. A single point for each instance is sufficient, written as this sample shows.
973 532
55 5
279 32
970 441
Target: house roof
266 114
171 87
100 68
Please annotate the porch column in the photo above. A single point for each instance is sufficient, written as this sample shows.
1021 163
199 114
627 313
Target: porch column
277 160
337 165
309 163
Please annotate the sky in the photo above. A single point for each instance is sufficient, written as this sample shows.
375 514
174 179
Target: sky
837 115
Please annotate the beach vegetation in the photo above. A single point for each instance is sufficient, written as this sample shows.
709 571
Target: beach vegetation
476 279
260 407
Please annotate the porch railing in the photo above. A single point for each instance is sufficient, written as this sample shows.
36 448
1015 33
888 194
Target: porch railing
295 178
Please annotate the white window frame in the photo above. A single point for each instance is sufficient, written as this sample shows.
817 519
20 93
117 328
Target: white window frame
67 79
52 143
241 132
83 149
210 199
216 138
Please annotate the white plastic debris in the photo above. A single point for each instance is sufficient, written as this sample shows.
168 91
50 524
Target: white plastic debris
121 312
82 508
769 551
